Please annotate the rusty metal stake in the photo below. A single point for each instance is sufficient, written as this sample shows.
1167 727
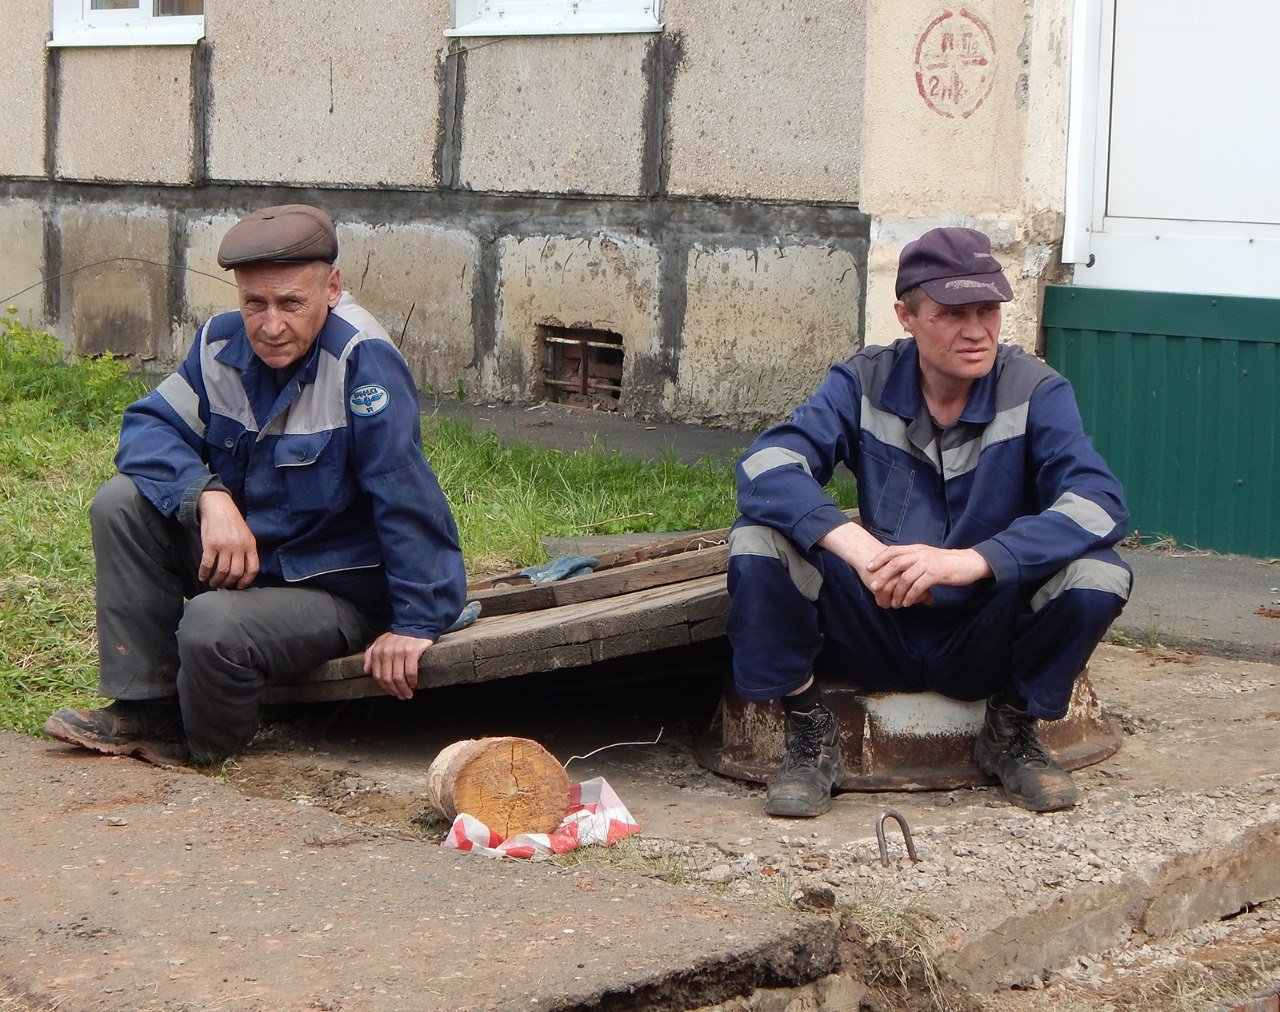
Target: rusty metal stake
906 837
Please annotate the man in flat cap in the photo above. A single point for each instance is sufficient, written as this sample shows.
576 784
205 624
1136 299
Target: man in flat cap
273 510
982 568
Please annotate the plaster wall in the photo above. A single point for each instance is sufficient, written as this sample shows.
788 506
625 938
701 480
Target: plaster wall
767 100
600 282
417 280
22 239
124 113
207 288
22 77
548 114
761 328
390 269
935 155
946 155
307 91
120 306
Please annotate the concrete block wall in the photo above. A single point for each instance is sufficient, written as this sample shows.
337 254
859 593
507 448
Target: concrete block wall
110 304
728 195
22 265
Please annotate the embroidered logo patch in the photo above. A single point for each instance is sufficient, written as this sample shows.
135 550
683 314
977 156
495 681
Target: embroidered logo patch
369 399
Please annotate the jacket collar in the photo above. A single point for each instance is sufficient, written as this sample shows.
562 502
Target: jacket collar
902 394
238 353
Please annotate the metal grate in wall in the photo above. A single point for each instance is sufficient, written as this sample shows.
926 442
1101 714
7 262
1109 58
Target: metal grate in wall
582 367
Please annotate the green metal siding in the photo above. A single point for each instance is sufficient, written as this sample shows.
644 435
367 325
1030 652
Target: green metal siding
1181 394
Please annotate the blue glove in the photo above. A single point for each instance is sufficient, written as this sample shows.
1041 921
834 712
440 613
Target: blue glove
469 614
563 568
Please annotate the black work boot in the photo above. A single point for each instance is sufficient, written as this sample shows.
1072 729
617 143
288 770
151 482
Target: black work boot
148 729
812 766
1008 749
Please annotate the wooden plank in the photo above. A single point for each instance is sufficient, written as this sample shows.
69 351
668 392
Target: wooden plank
643 575
452 651
505 600
623 557
713 603
640 642
603 583
519 644
541 630
709 629
568 655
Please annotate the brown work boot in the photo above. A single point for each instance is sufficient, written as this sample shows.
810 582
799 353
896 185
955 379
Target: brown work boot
148 729
811 767
1008 749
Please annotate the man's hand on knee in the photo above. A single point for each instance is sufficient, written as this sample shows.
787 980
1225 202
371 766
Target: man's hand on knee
902 575
392 660
230 556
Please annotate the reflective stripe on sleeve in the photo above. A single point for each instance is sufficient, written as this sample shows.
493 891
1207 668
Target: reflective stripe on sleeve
1084 512
772 457
179 395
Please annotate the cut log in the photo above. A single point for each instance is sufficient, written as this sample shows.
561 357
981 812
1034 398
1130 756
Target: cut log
512 785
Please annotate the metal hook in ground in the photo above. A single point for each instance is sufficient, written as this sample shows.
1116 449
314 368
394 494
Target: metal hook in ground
906 837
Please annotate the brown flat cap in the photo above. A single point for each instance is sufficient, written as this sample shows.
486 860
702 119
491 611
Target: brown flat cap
288 234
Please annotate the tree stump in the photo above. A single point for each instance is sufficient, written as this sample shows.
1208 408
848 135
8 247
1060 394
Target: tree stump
512 785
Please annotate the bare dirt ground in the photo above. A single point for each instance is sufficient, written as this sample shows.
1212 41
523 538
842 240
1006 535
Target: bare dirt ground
1187 769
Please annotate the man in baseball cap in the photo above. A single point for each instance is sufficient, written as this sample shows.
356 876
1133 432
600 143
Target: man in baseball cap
982 565
273 510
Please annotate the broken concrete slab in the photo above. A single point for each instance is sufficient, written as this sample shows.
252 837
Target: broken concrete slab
1178 828
126 886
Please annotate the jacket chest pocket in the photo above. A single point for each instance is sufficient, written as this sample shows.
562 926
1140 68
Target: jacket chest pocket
889 503
227 449
308 472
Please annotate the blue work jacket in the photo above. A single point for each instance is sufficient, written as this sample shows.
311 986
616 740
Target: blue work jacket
327 470
1015 477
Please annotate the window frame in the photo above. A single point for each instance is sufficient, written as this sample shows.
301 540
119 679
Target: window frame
74 24
1142 254
472 18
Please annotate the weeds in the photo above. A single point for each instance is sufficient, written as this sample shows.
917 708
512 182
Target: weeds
58 422
899 943
636 854
1155 636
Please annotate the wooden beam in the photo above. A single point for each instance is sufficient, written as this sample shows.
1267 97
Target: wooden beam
528 642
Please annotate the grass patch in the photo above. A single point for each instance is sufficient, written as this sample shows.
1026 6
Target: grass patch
900 945
58 423
638 855
59 419
506 497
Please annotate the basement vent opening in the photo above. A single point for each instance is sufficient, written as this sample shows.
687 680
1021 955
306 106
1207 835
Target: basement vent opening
582 367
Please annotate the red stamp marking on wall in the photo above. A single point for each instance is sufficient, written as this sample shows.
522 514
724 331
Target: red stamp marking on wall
955 64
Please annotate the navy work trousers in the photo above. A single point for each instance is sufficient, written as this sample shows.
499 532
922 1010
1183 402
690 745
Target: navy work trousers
161 632
795 613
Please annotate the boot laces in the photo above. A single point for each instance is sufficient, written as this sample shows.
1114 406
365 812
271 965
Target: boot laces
808 732
1025 745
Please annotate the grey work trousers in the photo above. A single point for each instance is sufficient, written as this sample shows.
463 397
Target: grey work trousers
162 632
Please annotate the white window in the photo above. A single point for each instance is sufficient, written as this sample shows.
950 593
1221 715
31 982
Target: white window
553 17
127 22
1170 182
